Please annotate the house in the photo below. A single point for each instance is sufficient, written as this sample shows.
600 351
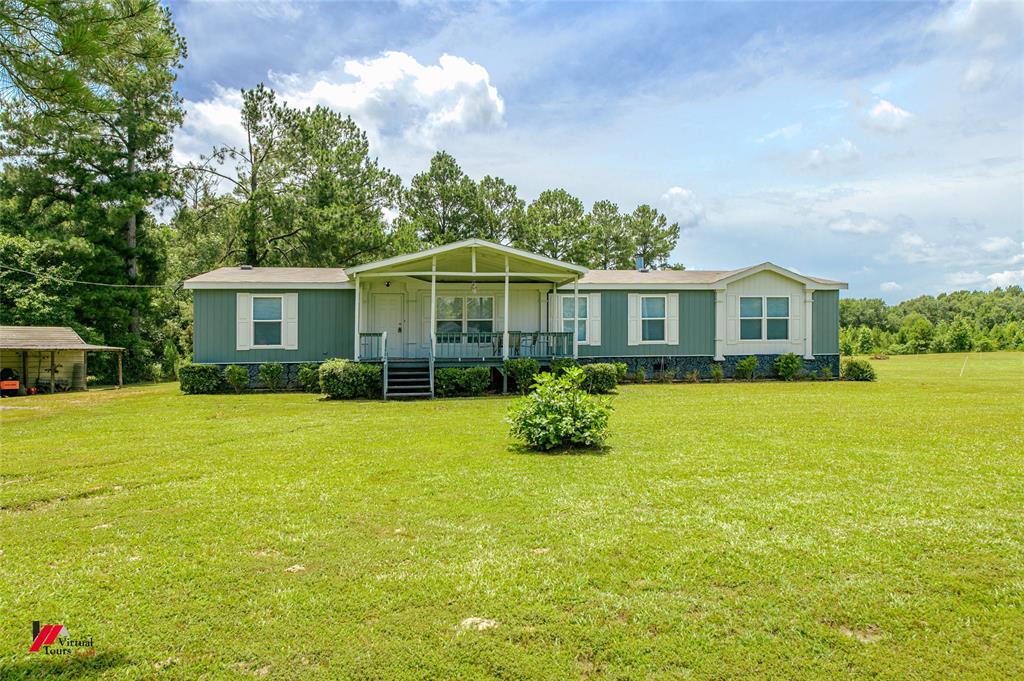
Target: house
478 303
48 357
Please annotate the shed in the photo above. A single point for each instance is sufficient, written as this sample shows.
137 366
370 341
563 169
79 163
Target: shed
49 357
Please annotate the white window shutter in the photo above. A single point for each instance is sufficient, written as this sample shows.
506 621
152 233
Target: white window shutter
291 321
243 326
554 320
796 328
672 319
732 317
633 319
594 319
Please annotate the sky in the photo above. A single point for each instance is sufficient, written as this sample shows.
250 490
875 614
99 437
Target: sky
881 144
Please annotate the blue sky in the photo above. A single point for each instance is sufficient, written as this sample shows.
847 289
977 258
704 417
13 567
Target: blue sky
878 143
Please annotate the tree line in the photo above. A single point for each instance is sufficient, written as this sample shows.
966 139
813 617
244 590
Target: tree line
89 191
961 321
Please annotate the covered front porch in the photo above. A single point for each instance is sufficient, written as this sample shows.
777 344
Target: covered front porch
471 301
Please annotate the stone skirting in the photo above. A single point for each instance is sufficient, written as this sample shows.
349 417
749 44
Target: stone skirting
289 379
684 365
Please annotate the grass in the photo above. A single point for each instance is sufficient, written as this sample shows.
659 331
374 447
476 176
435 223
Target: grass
766 530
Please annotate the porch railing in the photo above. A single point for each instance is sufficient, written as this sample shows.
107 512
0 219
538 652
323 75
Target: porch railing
371 346
488 345
540 344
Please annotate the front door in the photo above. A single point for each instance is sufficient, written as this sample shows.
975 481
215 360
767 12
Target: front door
388 316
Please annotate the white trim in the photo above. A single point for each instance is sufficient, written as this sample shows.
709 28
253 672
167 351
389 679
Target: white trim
720 325
264 286
243 328
808 326
782 271
764 319
470 243
253 321
465 319
290 323
355 348
664 320
575 319
593 318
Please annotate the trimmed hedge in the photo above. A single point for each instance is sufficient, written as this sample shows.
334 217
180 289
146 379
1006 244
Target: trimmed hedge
237 377
271 374
522 370
599 378
200 379
309 377
344 380
456 381
560 364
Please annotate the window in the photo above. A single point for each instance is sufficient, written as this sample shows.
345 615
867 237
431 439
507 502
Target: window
266 321
652 319
764 318
580 316
471 315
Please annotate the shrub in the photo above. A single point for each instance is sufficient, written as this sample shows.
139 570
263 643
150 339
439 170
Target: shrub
599 378
237 377
171 359
309 377
560 364
664 376
858 370
693 376
825 373
746 368
344 379
522 370
271 375
717 373
640 375
985 345
786 366
200 379
559 413
468 382
155 372
621 371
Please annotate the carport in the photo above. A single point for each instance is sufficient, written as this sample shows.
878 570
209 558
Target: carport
24 348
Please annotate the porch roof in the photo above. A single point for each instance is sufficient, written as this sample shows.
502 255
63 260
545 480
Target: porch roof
473 259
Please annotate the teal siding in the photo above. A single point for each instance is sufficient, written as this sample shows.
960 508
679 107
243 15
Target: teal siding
696 326
825 316
326 327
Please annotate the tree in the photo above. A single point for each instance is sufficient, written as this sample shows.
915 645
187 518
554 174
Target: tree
60 57
652 237
608 243
502 212
555 226
442 205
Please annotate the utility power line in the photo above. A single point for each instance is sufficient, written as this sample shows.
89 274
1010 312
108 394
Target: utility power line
86 283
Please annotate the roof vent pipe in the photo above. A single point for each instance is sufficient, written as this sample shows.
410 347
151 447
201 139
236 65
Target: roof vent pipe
640 263
246 267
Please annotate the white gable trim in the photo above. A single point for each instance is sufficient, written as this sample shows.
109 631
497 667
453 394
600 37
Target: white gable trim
467 243
781 271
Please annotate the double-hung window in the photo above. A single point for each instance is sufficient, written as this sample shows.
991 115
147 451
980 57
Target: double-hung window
764 318
460 314
579 314
652 319
267 321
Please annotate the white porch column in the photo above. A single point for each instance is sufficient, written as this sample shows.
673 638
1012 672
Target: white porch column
720 323
355 350
433 306
808 324
576 318
504 325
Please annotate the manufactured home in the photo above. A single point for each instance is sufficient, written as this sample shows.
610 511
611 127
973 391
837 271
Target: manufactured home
479 303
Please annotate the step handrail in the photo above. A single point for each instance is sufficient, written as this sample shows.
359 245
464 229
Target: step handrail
384 359
430 363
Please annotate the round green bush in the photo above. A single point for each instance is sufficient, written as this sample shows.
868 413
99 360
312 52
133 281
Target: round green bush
599 378
309 377
237 376
746 368
271 375
344 379
858 370
787 366
560 413
522 370
465 382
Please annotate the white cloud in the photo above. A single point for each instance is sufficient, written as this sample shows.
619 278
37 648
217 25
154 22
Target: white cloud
392 96
788 132
978 74
890 286
857 223
999 244
1007 278
887 117
965 278
842 152
682 206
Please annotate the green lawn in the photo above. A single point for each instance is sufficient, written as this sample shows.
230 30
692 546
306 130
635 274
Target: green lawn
801 530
